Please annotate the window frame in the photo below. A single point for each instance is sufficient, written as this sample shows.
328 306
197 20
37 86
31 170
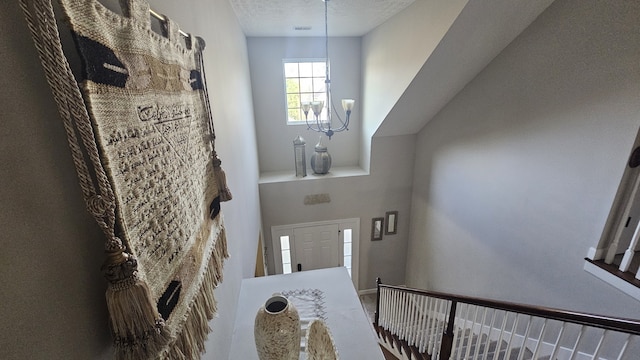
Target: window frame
285 61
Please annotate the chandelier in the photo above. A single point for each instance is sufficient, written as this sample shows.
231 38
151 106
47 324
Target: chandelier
318 124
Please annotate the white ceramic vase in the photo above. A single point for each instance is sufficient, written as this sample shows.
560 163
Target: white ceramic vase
277 330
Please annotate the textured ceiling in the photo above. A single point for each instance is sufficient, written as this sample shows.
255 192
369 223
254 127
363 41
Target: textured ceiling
346 17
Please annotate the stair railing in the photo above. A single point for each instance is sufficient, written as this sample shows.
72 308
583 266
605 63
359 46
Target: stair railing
420 324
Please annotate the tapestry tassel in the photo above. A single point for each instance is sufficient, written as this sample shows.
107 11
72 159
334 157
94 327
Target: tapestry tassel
221 179
137 327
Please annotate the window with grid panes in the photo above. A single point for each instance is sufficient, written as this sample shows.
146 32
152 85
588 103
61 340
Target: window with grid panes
304 82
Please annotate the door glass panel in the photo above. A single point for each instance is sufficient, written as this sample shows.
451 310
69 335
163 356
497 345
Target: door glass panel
286 254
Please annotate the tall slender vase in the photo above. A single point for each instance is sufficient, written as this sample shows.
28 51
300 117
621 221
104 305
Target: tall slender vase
277 330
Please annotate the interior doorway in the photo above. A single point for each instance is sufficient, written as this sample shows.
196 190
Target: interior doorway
317 245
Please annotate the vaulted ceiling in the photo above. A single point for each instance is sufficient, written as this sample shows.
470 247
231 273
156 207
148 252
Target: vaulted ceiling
480 32
283 17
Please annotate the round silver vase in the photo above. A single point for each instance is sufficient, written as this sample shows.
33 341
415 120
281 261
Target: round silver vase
321 159
277 330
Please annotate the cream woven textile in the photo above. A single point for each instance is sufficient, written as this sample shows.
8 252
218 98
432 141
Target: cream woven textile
151 133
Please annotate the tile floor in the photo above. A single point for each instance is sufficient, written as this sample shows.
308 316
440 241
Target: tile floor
369 305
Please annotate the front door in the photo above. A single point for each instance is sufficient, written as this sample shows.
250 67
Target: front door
316 247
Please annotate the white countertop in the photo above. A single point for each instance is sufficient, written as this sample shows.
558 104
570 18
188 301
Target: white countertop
353 335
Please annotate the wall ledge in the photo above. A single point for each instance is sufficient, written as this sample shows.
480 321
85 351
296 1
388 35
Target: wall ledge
290 176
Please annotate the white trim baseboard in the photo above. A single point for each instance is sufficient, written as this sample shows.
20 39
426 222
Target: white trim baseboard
367 292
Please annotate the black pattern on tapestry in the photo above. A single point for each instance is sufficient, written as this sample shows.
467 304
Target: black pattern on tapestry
169 299
101 65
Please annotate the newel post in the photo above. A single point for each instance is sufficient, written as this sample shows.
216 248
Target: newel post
447 337
377 314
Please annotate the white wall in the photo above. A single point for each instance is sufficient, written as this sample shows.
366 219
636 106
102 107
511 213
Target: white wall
392 55
514 178
52 290
387 188
275 137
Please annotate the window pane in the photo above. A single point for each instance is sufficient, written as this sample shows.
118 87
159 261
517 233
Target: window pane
320 97
349 271
293 86
318 85
293 101
286 256
347 248
306 84
286 268
295 115
306 97
305 70
291 69
284 242
347 261
319 69
347 235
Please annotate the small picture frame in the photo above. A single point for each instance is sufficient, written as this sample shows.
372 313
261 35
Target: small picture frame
377 225
391 223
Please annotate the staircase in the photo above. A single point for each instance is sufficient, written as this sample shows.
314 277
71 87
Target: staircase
416 324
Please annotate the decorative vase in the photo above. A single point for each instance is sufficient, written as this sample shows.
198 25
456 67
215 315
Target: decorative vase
321 159
299 156
277 330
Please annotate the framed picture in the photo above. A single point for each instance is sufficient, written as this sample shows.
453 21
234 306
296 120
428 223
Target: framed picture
376 228
391 223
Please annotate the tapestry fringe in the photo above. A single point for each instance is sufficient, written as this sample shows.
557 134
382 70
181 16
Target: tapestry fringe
137 329
189 344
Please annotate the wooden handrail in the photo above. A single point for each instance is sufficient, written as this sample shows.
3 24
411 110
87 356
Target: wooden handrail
630 326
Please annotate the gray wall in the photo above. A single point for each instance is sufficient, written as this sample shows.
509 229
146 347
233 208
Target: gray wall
392 55
514 178
52 290
387 188
275 137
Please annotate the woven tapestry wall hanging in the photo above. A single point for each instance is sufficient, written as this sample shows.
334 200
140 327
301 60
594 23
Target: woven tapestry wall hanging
142 139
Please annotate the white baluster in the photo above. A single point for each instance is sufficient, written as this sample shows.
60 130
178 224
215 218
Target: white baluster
384 308
613 247
414 318
630 252
458 331
491 325
526 337
473 322
424 342
556 346
434 326
405 316
432 306
444 313
392 306
624 348
479 339
514 328
599 347
505 315
574 351
396 311
463 330
421 330
538 345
